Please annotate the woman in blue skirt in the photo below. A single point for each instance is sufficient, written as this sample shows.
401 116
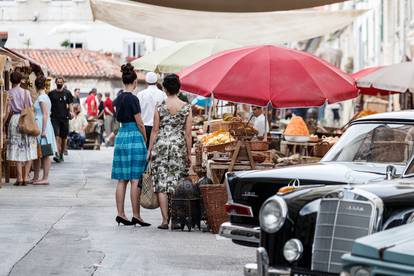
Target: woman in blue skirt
130 150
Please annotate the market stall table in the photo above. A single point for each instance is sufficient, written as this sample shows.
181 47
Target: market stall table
303 148
218 169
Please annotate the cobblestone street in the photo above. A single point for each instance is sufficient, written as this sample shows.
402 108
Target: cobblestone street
68 228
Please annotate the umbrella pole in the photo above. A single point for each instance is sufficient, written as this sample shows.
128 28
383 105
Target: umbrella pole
266 124
210 110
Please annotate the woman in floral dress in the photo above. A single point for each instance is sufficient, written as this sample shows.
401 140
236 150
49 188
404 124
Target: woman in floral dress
170 145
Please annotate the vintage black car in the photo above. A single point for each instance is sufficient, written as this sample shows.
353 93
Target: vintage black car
307 231
362 154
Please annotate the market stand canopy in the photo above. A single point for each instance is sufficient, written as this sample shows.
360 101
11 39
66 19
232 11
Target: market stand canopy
239 5
242 28
268 74
173 58
397 78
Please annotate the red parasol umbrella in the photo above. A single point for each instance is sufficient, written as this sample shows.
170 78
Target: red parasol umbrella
370 90
262 74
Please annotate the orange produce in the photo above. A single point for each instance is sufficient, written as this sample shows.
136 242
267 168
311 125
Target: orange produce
297 127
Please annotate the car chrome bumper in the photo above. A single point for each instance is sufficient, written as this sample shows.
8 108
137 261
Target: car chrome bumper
261 268
240 233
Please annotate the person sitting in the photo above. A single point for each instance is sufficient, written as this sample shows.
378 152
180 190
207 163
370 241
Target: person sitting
77 128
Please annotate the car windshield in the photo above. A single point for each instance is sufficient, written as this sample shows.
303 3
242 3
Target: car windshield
374 143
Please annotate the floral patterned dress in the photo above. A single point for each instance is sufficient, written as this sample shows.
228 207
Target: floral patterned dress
169 154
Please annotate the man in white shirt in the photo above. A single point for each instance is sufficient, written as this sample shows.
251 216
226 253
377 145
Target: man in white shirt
260 123
149 99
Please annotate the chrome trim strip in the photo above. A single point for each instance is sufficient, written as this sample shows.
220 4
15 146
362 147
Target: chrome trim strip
240 233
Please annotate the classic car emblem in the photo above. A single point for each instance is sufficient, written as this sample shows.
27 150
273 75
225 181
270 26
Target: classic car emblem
294 183
355 208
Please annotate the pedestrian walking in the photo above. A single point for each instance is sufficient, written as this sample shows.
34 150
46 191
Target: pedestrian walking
101 110
91 106
170 145
21 148
42 109
108 115
76 96
149 99
130 151
61 112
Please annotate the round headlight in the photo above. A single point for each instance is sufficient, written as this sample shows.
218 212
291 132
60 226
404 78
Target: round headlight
360 271
273 214
292 250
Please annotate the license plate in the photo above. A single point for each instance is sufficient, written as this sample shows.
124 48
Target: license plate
295 272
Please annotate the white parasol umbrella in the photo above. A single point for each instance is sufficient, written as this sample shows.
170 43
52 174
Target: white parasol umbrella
172 59
397 78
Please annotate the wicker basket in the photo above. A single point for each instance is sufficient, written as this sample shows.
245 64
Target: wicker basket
321 149
259 145
214 199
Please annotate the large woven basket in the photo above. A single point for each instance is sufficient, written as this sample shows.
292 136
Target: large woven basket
214 199
321 149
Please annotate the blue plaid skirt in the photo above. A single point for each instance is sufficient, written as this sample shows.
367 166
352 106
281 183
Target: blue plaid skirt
130 153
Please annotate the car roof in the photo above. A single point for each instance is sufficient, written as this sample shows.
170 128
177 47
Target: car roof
406 115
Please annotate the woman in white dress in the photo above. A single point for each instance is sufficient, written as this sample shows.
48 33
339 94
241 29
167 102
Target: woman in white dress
42 108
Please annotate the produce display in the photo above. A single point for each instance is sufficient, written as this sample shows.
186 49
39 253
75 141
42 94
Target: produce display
217 138
230 118
296 127
248 131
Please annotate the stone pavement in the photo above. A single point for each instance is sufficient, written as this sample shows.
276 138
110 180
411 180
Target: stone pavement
68 228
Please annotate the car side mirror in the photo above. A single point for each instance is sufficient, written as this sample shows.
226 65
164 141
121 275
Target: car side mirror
390 172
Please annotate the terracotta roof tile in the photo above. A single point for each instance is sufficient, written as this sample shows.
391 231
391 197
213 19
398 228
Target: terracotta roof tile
75 63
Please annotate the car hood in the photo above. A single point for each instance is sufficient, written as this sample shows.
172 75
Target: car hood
395 245
399 191
325 172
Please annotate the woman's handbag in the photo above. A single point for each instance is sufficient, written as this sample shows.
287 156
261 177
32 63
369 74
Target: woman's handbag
149 198
46 149
27 122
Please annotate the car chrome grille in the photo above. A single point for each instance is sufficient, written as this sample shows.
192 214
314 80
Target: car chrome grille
339 223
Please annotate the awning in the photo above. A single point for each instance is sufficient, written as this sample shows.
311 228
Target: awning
239 5
19 60
242 28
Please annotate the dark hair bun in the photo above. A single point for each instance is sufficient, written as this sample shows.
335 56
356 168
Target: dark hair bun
127 68
40 82
128 73
172 84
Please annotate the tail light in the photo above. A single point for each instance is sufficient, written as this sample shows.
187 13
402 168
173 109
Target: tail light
235 209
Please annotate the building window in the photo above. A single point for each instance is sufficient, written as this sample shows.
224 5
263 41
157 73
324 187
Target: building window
76 45
134 49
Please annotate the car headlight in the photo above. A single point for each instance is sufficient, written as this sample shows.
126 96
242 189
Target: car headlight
273 214
292 250
360 271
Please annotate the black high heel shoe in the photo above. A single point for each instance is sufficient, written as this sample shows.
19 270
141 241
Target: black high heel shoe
140 222
123 221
